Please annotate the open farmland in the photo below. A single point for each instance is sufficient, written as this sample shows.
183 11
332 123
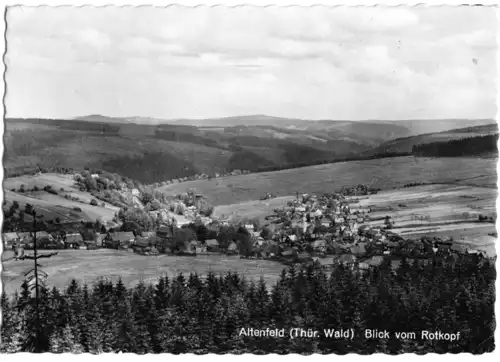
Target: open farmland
387 173
434 210
88 266
52 206
251 209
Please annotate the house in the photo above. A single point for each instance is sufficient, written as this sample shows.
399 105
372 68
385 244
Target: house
371 233
73 241
395 263
232 248
166 232
140 246
10 239
190 247
303 256
459 248
122 239
43 235
334 248
212 245
24 235
325 222
289 253
89 235
375 261
319 245
271 249
338 220
443 248
249 227
90 244
347 260
391 245
326 263
139 240
362 230
474 252
359 250
363 266
200 249
99 240
255 234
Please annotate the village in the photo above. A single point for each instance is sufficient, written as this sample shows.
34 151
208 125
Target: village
314 230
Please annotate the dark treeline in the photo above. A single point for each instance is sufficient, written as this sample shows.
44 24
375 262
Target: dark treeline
150 167
206 315
472 146
176 136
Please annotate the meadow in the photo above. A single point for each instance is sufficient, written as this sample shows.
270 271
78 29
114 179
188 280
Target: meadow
443 210
255 209
386 174
52 206
87 266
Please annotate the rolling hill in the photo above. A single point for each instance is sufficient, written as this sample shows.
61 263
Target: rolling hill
381 173
158 152
403 145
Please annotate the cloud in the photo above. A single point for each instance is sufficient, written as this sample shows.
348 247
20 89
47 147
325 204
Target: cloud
313 62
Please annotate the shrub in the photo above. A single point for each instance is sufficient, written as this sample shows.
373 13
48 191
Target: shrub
93 202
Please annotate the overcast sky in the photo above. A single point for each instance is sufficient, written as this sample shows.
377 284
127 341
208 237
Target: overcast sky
315 63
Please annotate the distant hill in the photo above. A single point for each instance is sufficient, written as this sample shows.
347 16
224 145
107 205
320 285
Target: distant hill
374 129
478 146
149 152
101 119
426 126
135 119
406 144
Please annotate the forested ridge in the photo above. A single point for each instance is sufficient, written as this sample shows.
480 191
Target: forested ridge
205 315
471 146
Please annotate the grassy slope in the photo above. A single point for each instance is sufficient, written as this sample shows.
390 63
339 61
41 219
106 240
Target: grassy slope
251 209
382 173
87 266
452 211
52 206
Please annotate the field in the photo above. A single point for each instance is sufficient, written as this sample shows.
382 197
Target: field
251 209
52 206
90 265
387 173
435 210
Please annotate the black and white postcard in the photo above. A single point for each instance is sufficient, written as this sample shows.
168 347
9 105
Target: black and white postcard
261 180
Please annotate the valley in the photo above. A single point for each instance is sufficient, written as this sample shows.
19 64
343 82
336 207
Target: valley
437 197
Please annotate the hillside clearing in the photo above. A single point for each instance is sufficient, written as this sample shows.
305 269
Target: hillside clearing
386 174
251 209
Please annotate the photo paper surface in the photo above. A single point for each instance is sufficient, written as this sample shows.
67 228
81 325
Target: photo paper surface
261 180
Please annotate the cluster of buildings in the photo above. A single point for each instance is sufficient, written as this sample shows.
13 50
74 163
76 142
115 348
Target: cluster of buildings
321 230
331 229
